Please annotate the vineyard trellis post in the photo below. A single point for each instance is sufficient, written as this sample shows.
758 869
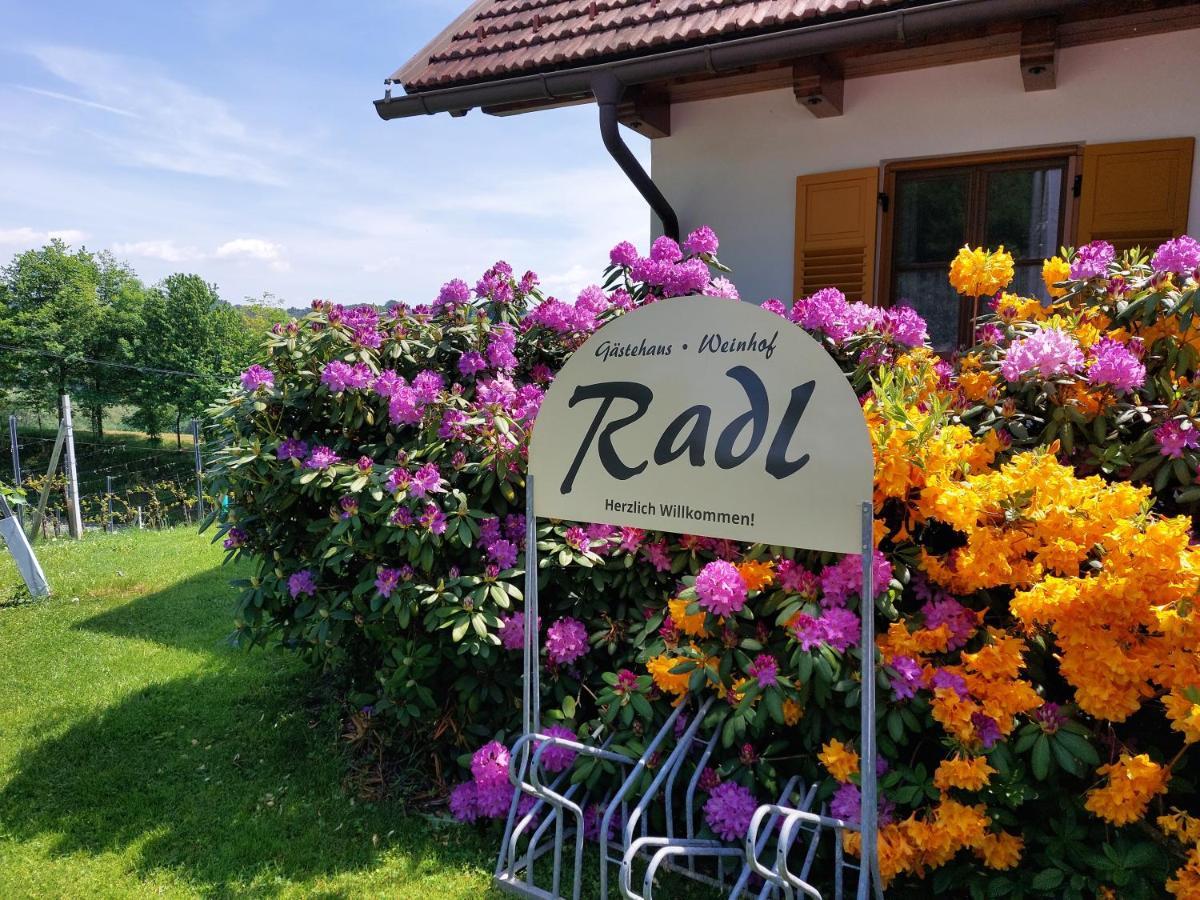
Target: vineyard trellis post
199 470
35 528
16 462
18 545
74 514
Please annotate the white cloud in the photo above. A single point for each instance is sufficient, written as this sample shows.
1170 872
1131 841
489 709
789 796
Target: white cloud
160 122
568 284
68 98
166 250
31 237
254 248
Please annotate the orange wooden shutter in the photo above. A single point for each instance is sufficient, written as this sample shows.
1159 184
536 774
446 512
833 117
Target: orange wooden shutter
1135 193
835 232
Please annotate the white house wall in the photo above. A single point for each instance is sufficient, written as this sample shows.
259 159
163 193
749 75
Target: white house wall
731 163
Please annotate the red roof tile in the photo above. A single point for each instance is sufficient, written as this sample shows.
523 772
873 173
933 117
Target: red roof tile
499 38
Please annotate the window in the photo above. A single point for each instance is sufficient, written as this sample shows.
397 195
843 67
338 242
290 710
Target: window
1018 203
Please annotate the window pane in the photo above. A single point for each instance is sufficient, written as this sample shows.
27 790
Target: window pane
931 218
1027 281
1023 211
928 291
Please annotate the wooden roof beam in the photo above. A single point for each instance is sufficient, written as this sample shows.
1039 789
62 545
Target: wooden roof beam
818 86
647 110
1039 54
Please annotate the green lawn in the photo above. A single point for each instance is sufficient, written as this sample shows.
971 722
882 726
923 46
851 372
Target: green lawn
142 755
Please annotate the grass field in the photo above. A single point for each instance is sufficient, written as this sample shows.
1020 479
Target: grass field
141 755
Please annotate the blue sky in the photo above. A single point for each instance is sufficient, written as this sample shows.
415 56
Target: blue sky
236 139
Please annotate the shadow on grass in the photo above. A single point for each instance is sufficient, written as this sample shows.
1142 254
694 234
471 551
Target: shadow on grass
194 614
231 778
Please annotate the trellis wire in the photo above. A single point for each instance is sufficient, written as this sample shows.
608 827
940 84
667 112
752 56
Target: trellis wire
118 484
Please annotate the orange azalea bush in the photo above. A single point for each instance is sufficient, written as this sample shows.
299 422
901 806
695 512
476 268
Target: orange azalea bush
1039 684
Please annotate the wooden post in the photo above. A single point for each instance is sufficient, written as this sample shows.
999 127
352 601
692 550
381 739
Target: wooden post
39 517
16 462
74 515
108 502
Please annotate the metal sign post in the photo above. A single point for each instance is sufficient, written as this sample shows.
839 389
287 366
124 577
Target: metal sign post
623 438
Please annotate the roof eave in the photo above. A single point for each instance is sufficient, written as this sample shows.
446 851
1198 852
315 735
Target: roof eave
564 85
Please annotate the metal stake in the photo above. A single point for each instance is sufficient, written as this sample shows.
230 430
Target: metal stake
199 470
74 517
16 463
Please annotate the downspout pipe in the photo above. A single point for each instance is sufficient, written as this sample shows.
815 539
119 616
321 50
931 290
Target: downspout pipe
903 22
607 89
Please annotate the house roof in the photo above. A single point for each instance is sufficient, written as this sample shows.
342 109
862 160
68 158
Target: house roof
501 38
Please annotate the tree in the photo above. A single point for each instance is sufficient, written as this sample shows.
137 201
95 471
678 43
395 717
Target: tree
199 338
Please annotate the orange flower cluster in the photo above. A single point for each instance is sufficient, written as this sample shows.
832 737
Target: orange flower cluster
1132 782
839 760
979 272
969 773
918 844
995 689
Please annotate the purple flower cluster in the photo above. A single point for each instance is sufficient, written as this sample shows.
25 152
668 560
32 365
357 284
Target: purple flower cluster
795 579
512 631
502 547
1114 364
387 581
566 641
987 729
580 318
702 240
720 588
339 376
828 312
489 792
234 538
1092 260
321 457
1174 437
1180 256
837 627
765 669
1048 352
960 620
844 578
729 809
407 402
453 294
292 448
302 583
257 377
556 758
907 678
946 680
847 805
666 270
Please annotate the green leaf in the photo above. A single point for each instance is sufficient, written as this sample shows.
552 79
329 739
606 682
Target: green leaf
1047 879
1040 759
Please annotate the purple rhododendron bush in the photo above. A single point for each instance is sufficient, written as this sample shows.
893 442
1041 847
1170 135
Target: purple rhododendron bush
1039 686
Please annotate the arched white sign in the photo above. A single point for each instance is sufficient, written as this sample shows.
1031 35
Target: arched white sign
700 415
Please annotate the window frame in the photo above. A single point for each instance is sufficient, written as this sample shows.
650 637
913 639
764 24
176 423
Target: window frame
971 163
